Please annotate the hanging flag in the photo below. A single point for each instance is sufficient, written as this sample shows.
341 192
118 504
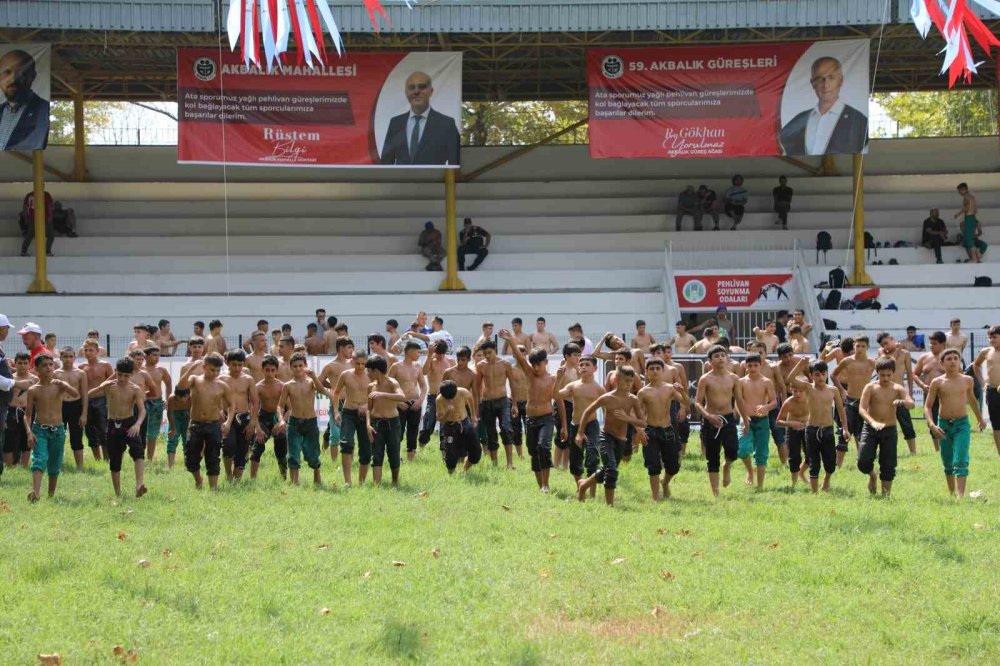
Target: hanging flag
955 20
251 24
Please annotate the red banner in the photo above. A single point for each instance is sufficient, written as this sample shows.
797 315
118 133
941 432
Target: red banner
358 110
797 98
741 292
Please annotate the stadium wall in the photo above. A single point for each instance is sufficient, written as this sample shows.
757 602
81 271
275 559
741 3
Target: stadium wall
886 156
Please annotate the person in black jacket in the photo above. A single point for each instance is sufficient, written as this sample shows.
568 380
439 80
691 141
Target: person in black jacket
421 135
782 202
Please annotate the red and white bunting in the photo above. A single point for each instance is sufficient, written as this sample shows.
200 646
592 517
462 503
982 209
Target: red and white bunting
955 21
251 24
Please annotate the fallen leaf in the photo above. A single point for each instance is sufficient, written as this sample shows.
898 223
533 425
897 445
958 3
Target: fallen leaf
544 573
324 611
143 563
4 506
366 574
128 513
436 553
553 535
505 507
666 575
122 536
324 546
772 546
54 659
422 493
167 552
916 467
696 553
979 526
661 531
975 494
684 533
118 651
132 656
618 560
657 611
398 563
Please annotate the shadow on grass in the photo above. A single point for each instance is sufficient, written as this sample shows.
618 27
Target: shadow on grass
402 641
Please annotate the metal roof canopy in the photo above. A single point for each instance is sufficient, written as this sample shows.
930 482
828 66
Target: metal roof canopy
503 60
460 15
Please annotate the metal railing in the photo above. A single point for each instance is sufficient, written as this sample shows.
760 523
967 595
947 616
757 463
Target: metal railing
807 295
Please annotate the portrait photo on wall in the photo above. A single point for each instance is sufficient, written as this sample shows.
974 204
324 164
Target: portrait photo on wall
418 111
24 81
824 106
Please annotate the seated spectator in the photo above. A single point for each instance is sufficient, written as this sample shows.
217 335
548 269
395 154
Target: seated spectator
782 201
430 246
780 324
709 203
473 240
64 220
688 204
935 234
735 199
27 222
913 342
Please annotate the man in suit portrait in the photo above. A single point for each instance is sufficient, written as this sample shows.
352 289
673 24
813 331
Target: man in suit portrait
24 116
422 135
831 126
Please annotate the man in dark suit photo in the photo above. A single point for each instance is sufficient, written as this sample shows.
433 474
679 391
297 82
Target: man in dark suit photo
422 135
831 126
24 116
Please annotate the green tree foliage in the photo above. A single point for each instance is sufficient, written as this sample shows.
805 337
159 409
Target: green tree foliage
951 113
520 123
97 115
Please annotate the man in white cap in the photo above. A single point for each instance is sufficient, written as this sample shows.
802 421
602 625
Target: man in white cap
6 381
31 334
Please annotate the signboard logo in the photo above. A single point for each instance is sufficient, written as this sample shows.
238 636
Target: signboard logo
612 66
694 291
204 69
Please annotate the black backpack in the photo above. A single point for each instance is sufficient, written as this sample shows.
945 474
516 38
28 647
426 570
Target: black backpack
847 304
868 304
829 324
833 300
824 242
838 278
983 281
870 244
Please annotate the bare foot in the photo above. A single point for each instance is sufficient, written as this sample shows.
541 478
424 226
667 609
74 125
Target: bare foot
141 490
725 477
749 479
666 490
871 485
545 489
411 455
32 497
581 490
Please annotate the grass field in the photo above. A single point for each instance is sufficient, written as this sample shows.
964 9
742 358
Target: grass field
496 572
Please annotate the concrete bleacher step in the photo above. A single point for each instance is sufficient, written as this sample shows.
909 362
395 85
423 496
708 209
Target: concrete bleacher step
276 263
216 280
463 312
423 209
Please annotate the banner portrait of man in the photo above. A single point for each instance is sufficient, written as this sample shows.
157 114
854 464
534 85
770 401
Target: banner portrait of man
426 133
835 117
25 84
